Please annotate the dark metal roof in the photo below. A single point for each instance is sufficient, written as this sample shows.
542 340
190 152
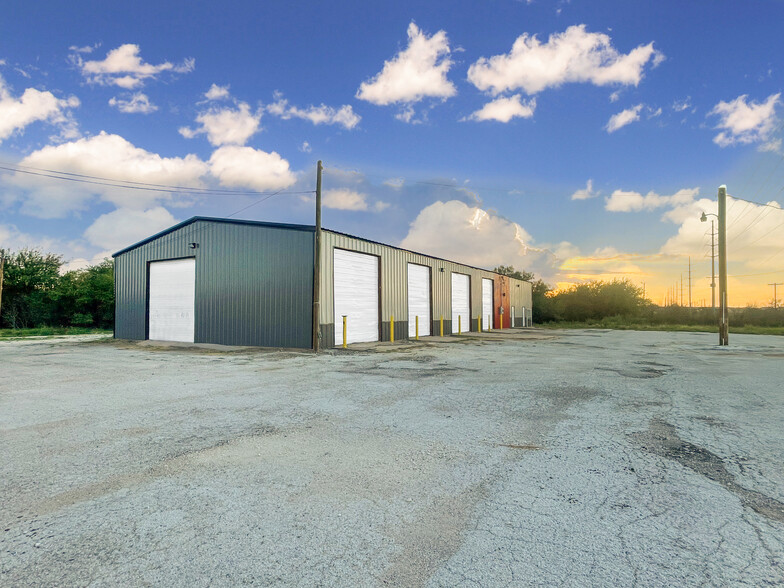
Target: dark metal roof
211 219
310 228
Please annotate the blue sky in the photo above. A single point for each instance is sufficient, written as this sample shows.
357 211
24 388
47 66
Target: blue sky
580 140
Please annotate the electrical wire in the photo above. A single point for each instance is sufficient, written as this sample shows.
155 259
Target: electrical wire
128 184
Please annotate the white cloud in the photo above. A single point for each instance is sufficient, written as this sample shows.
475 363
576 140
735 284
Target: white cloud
125 226
217 92
138 103
585 193
305 147
505 109
474 236
226 126
32 106
395 183
343 116
572 56
753 231
623 118
681 105
615 96
745 122
681 204
124 67
343 199
105 156
245 167
415 73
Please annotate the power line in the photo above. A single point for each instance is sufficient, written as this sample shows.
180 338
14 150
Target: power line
131 185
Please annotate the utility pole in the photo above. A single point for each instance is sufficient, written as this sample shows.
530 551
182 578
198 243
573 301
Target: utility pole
775 300
724 330
2 269
317 264
689 281
681 288
713 268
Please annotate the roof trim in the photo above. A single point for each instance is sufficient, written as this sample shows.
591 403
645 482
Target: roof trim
481 269
232 221
309 228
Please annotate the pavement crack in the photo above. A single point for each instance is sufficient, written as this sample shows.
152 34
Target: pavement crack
662 439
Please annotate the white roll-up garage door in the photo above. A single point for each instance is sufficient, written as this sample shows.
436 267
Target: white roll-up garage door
487 304
418 299
356 296
461 305
172 300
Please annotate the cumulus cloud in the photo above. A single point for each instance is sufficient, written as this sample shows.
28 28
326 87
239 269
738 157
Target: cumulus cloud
217 92
474 236
343 199
124 67
415 73
106 156
305 147
124 226
585 193
745 121
505 109
226 126
136 103
754 231
245 167
623 118
680 206
318 115
572 56
33 106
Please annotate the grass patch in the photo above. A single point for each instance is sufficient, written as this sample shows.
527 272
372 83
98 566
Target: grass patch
614 324
51 332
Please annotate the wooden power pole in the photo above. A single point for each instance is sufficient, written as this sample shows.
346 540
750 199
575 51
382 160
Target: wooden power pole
317 264
724 331
774 284
2 269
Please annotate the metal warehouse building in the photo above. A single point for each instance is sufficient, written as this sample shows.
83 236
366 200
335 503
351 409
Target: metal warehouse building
232 282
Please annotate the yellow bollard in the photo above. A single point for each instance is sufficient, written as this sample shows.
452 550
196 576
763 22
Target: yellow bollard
417 327
479 321
442 325
345 330
502 321
392 329
459 325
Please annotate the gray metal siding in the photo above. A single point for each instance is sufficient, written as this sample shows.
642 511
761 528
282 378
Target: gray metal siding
254 284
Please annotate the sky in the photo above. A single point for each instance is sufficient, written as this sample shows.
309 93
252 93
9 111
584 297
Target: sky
578 140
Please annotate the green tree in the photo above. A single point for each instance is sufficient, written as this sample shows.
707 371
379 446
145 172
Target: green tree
85 297
29 278
509 270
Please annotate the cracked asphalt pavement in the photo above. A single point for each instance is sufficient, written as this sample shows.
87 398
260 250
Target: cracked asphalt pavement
522 458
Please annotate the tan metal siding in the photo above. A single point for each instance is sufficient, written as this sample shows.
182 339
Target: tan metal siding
394 279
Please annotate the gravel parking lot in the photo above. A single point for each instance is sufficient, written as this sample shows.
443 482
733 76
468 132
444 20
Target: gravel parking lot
577 458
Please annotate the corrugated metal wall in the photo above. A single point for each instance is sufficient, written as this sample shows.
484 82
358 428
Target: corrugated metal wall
254 283
521 294
394 278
